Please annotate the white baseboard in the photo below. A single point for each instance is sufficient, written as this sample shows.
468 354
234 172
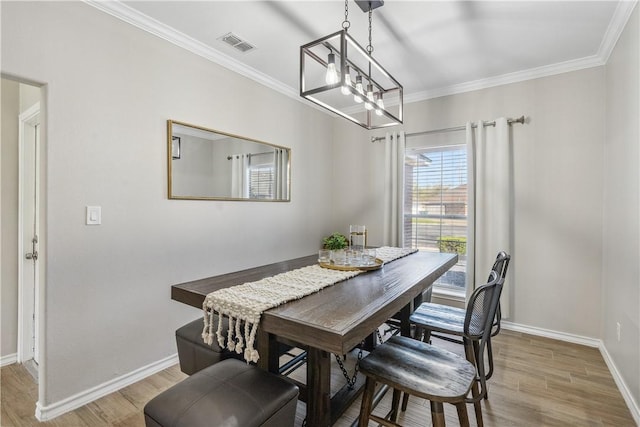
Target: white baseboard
9 359
622 386
45 413
547 333
633 406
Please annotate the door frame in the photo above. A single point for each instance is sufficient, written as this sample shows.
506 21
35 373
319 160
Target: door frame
26 295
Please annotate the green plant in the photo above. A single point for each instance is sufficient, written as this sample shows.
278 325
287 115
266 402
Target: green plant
335 241
453 244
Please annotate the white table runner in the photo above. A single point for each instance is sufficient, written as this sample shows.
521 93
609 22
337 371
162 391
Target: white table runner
244 304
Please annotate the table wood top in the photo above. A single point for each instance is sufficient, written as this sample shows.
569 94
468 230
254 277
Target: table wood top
193 293
340 316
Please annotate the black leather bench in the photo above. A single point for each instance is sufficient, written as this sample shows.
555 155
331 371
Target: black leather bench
231 393
194 354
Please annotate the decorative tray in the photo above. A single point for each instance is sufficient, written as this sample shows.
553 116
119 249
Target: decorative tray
378 264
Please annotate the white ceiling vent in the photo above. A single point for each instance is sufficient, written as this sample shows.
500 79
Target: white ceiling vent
236 42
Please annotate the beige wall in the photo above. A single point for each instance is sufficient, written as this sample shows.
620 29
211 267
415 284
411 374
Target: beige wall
109 94
558 189
621 233
9 218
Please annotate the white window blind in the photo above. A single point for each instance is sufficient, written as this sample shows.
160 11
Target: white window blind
435 210
261 182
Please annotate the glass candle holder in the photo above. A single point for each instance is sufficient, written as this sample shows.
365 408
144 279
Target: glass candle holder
357 237
324 256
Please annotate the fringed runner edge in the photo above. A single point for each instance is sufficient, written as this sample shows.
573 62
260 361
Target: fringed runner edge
236 340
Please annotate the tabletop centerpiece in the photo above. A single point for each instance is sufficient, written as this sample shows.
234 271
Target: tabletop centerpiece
337 253
335 242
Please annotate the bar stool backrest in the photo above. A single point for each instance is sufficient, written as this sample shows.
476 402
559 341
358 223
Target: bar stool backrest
500 266
481 311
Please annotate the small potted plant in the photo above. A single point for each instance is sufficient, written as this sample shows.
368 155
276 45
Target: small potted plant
335 242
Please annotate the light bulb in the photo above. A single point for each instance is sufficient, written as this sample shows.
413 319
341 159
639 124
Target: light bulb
332 74
359 91
380 104
346 87
370 101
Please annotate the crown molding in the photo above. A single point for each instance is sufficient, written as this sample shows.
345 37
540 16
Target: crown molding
621 15
127 14
516 77
132 16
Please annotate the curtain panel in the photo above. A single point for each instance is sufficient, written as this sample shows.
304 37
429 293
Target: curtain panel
240 176
490 201
281 164
393 190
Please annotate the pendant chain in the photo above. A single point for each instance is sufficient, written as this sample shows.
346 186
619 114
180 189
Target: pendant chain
346 24
370 47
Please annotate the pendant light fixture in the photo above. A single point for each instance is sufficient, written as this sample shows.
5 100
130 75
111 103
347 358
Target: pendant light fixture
357 96
380 104
331 76
327 69
346 87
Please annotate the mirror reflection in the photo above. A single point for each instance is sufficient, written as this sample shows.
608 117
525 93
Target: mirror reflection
212 165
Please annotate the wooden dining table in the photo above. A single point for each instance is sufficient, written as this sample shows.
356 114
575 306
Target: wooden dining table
332 321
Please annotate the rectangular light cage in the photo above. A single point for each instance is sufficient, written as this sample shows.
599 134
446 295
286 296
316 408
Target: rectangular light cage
383 107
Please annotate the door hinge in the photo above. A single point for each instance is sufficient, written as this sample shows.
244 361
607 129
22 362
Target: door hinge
34 253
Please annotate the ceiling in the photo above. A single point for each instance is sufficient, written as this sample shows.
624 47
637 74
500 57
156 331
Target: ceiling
432 48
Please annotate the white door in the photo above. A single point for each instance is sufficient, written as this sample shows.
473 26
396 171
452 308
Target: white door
29 248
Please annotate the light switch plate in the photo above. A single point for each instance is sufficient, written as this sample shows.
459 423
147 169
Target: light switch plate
94 215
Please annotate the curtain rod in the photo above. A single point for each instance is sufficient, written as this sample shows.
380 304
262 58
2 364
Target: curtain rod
250 154
520 120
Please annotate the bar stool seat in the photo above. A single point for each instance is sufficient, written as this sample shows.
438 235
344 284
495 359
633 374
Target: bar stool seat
420 369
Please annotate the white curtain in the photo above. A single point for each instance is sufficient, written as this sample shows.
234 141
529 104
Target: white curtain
471 210
281 165
240 175
490 203
393 194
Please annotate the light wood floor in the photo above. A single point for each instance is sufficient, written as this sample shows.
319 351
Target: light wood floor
538 382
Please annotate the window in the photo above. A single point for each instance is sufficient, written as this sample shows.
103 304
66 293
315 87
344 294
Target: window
261 182
435 209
